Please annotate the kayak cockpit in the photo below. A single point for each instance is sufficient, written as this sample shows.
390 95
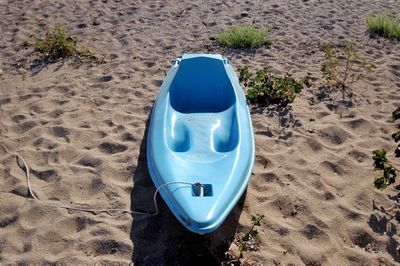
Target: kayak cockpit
201 85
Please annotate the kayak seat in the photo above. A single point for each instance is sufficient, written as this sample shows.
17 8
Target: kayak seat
202 132
178 137
225 137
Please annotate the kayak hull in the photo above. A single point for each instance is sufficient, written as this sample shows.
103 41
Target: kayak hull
200 144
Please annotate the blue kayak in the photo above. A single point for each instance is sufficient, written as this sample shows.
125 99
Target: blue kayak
200 145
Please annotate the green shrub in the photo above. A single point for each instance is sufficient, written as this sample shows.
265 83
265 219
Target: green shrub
384 25
265 88
59 44
246 36
344 67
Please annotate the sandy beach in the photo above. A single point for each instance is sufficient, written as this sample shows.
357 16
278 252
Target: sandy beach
83 133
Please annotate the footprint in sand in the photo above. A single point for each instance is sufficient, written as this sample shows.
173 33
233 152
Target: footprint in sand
90 162
112 148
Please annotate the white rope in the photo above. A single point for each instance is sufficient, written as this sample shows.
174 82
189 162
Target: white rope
93 210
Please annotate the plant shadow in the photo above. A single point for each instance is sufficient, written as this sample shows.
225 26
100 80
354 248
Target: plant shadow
161 239
383 222
335 98
285 117
35 64
38 65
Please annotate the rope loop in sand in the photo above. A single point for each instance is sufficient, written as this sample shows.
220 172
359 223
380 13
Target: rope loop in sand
109 211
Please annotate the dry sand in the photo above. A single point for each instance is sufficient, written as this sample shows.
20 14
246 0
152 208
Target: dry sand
83 133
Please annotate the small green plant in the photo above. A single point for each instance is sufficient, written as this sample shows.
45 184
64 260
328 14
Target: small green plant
265 88
384 25
246 36
381 163
248 241
58 44
344 67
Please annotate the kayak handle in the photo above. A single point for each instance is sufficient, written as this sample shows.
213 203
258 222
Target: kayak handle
202 190
176 62
201 187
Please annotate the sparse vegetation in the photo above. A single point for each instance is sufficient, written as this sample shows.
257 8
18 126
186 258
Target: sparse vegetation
265 88
384 25
248 241
58 44
246 36
245 242
381 163
344 67
389 170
